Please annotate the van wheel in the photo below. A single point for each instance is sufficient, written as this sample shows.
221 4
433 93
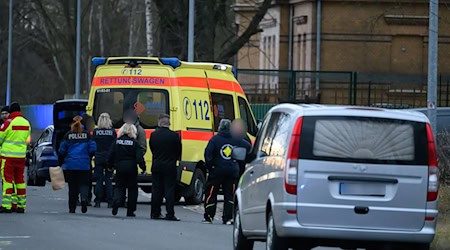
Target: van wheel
273 241
195 191
240 242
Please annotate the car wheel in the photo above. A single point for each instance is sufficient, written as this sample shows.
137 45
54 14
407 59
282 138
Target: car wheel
273 241
240 242
195 191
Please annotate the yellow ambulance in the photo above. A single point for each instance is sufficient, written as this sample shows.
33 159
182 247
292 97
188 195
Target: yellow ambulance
195 95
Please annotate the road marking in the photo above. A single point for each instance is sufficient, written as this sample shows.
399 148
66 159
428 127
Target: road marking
5 243
15 237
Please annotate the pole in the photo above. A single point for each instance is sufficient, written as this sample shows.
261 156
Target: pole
78 51
191 31
432 62
10 34
318 41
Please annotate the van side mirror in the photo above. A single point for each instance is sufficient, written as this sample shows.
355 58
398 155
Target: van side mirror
239 154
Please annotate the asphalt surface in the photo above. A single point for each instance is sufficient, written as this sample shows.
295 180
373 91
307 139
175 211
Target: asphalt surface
48 225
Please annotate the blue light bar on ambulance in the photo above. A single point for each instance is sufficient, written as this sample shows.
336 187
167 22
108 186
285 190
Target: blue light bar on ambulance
97 61
220 67
234 71
171 61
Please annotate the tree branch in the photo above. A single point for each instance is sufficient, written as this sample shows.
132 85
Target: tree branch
252 29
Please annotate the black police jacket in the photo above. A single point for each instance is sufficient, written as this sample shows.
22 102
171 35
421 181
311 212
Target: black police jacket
218 155
126 154
166 150
104 138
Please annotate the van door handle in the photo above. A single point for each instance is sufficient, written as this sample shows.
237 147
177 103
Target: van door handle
361 210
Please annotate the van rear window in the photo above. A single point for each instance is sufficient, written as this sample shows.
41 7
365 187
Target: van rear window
364 140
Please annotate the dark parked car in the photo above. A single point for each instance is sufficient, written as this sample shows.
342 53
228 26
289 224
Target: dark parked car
42 153
40 157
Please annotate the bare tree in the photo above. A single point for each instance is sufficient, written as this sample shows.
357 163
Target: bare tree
253 28
149 26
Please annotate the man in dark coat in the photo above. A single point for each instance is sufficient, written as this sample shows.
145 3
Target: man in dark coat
4 114
166 149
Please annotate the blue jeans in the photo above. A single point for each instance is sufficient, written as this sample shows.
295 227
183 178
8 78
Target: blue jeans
103 176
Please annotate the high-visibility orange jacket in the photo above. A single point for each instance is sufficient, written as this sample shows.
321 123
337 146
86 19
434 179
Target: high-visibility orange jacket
14 134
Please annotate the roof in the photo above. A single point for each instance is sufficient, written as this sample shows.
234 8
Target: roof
336 110
72 100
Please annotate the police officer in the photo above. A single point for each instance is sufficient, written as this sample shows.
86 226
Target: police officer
166 149
239 132
104 136
223 171
77 149
124 156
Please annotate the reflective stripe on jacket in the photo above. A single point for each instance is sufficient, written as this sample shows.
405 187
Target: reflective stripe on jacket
14 134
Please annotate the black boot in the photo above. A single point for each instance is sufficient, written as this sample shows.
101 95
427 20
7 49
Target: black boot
5 211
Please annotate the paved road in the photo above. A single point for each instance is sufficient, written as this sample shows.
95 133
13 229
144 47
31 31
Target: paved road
48 225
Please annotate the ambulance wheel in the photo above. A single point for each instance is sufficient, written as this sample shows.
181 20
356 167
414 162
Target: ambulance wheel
194 193
146 189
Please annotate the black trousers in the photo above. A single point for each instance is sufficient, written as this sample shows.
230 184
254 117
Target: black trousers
126 180
163 186
79 182
213 185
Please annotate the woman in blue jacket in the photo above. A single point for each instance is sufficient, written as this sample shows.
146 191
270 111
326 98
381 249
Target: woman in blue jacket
77 149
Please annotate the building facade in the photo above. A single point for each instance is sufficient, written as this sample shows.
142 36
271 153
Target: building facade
384 41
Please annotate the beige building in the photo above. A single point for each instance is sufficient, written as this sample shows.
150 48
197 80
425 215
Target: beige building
384 41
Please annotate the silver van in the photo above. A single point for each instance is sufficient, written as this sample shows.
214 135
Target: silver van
339 176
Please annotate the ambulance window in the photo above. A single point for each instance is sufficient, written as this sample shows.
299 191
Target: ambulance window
149 105
110 102
223 107
246 115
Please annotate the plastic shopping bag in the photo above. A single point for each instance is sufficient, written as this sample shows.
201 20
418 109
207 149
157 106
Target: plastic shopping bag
57 178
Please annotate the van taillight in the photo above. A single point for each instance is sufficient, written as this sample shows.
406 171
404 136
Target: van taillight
290 171
433 170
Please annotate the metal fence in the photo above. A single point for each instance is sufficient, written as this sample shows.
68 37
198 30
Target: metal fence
275 86
329 87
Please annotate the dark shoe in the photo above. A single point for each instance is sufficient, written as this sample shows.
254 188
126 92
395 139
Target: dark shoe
83 207
97 205
5 211
20 210
14 209
207 221
131 215
71 211
158 217
173 218
115 210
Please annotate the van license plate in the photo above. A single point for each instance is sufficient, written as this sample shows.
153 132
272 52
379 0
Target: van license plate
363 189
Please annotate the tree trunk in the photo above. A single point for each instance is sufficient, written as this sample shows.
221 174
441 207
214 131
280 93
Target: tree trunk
149 26
131 31
100 28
